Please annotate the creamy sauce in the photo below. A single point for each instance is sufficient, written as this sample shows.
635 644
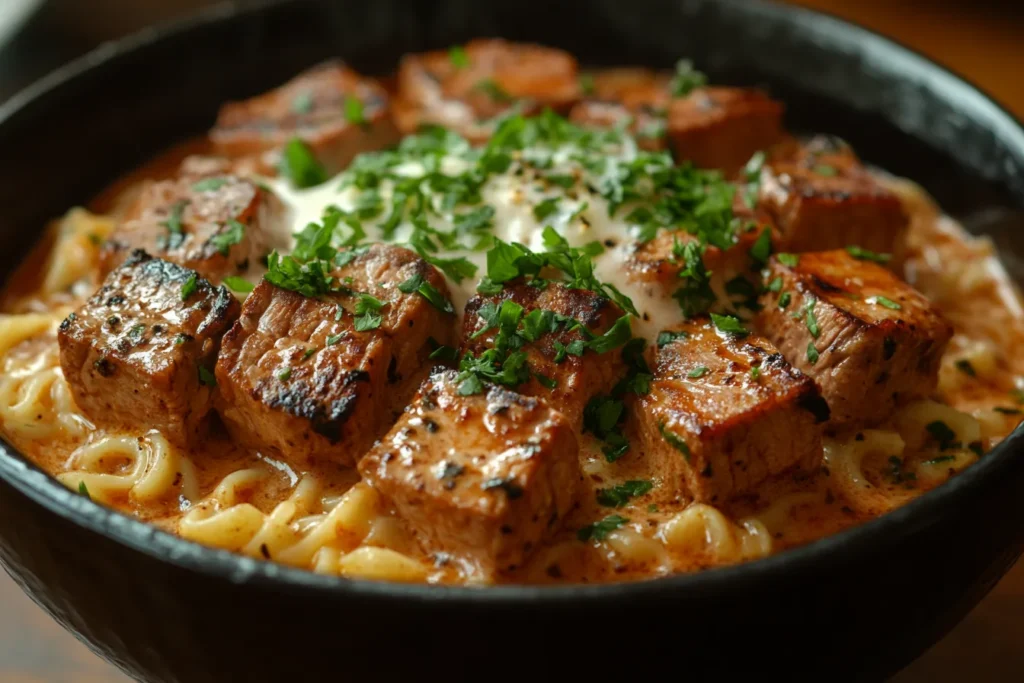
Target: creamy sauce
582 217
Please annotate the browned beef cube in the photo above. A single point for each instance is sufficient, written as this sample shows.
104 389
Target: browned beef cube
725 413
723 127
140 352
331 108
568 380
313 378
821 197
486 477
468 90
870 340
218 225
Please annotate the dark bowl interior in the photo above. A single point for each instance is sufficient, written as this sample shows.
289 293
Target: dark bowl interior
859 605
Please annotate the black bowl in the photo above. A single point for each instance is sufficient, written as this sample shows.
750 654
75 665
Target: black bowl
858 605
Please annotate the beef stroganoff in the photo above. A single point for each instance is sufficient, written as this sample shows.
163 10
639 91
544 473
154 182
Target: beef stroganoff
508 321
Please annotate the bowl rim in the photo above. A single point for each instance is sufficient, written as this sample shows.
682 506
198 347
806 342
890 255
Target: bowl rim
121 528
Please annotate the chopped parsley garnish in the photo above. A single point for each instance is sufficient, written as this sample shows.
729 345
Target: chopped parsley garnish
752 174
206 377
775 285
602 418
619 496
675 441
190 286
864 255
694 295
368 313
667 337
945 436
811 318
561 180
175 234
964 366
238 284
354 111
308 352
418 284
686 79
300 166
755 372
209 184
697 372
284 373
83 490
825 170
812 353
790 260
545 208
762 248
598 531
784 300
883 301
223 241
729 324
458 57
333 339
938 460
493 89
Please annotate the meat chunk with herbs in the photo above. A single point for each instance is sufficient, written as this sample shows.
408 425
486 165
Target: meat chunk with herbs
140 352
320 378
821 197
870 340
557 343
218 225
486 477
726 412
334 111
675 263
468 89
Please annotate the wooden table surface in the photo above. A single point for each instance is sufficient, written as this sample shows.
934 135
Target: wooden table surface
981 39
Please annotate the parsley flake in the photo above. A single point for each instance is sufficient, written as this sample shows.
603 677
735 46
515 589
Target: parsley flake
598 531
619 496
862 254
190 286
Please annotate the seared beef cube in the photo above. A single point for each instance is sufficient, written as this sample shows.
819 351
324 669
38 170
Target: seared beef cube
218 225
486 477
569 374
870 340
723 127
320 379
331 108
821 197
140 352
468 89
725 413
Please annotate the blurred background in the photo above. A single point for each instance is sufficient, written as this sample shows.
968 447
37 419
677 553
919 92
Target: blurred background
981 39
